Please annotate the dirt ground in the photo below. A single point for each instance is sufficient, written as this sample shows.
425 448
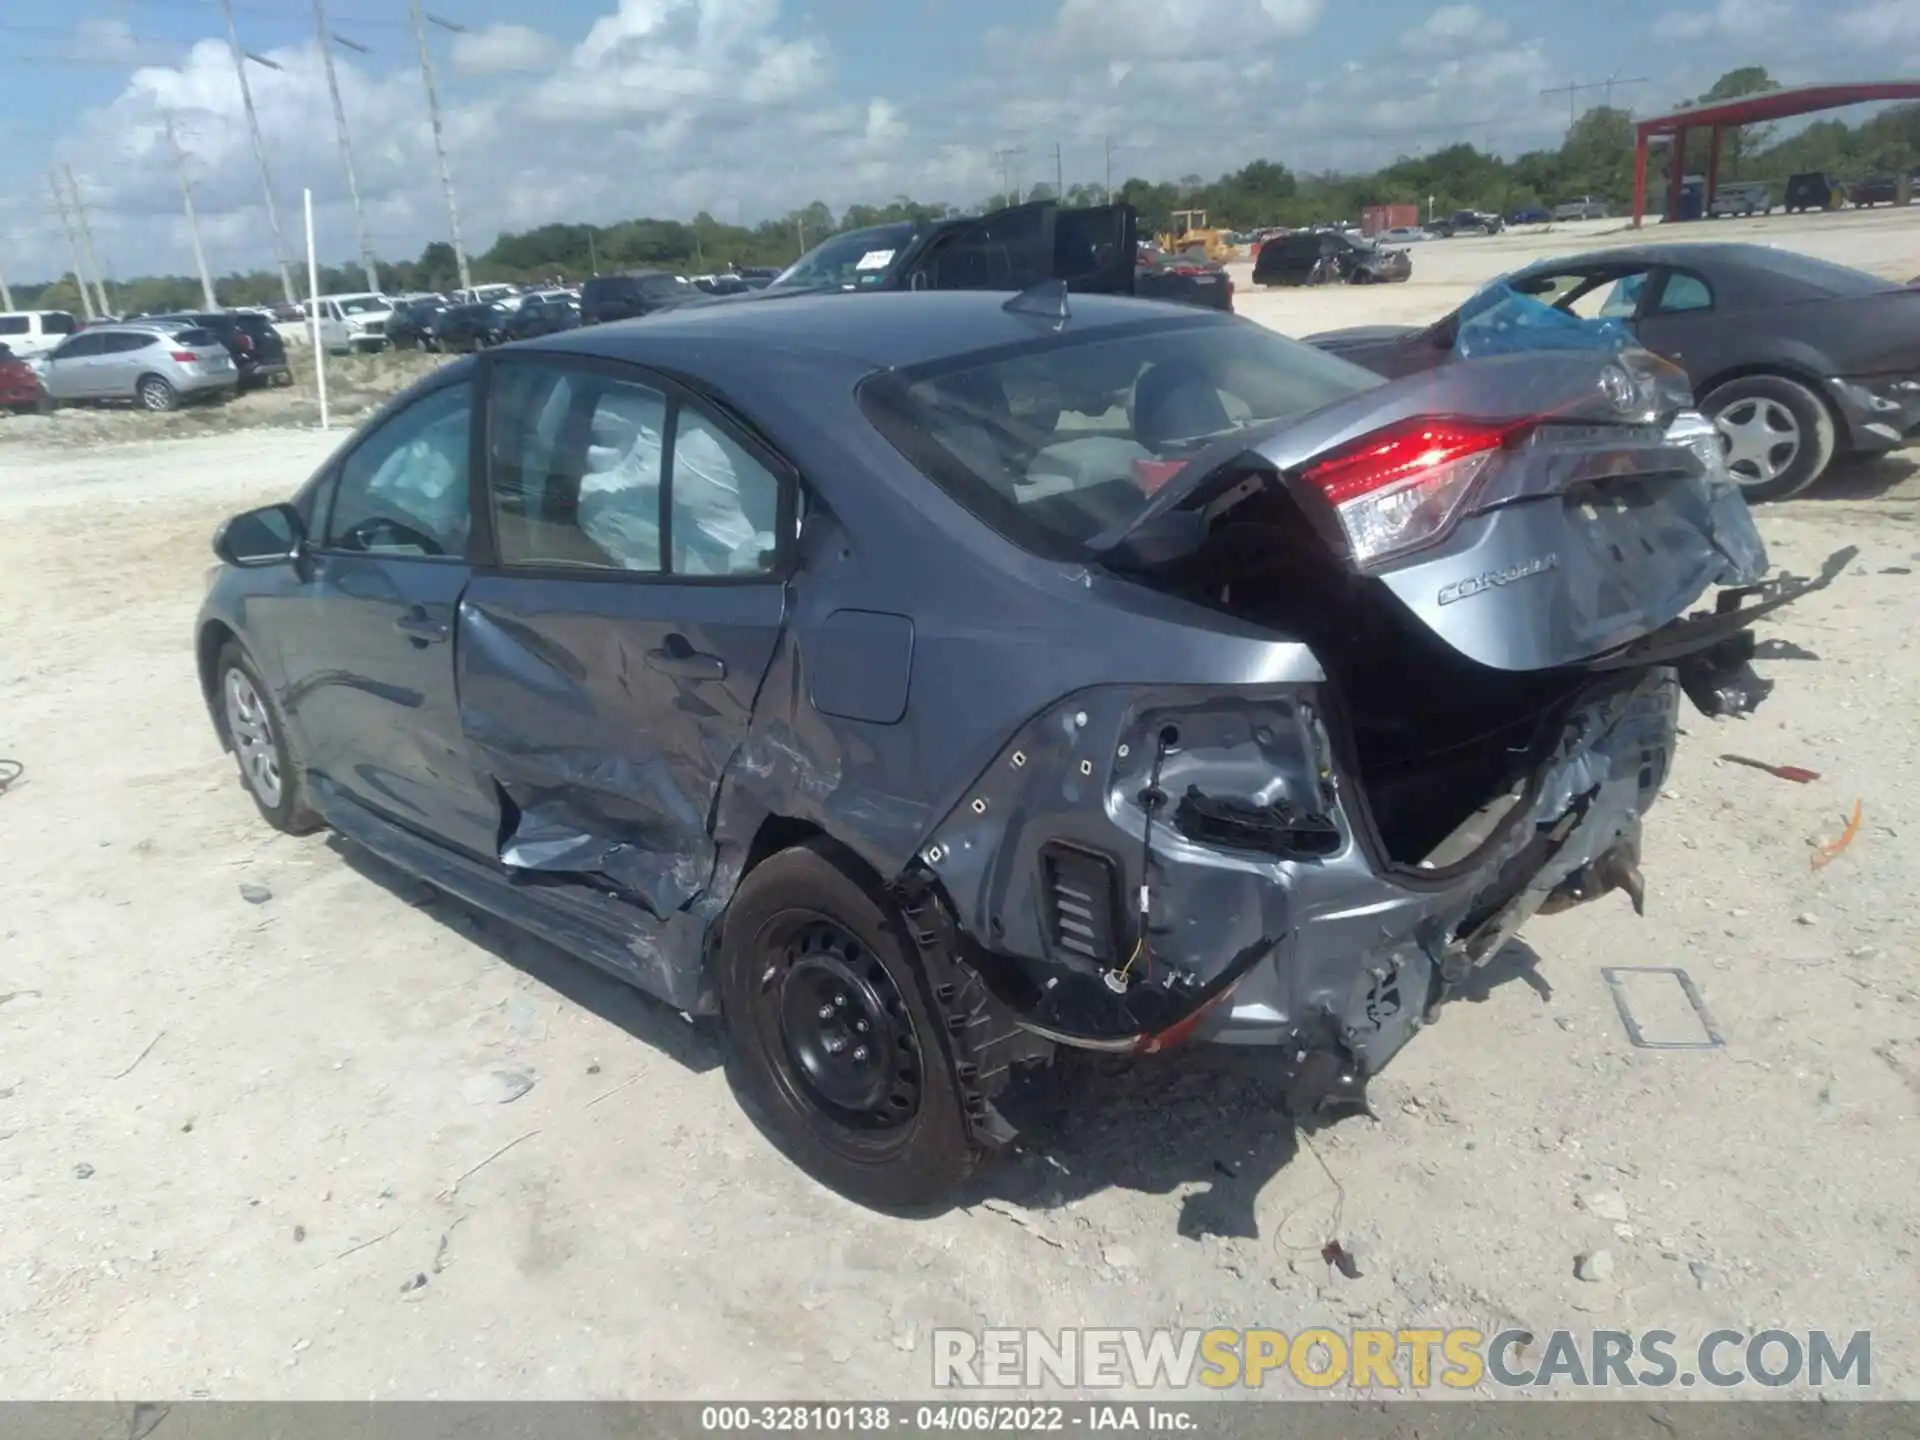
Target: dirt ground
348 1140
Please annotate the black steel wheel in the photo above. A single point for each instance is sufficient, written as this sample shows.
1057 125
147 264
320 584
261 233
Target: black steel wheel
835 1048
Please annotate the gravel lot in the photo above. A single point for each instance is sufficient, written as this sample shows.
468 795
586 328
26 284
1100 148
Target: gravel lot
260 1149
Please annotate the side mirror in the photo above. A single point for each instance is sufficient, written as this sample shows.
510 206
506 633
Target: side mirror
271 535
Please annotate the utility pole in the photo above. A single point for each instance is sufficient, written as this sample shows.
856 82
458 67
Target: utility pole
86 239
420 19
193 220
1570 91
73 242
327 39
1059 175
1108 139
6 295
240 58
1006 175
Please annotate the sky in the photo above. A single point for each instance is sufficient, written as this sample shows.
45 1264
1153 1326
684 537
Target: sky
605 109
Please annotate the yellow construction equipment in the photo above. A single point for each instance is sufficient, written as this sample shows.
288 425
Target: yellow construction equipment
1190 234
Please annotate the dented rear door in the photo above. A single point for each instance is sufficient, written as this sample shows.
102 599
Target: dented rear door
610 655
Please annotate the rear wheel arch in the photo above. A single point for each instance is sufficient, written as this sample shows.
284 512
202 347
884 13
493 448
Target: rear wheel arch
1784 370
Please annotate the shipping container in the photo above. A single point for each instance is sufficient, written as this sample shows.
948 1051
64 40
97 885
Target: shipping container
1375 218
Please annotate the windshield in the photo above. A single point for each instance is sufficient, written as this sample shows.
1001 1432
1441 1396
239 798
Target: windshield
361 305
1066 439
858 260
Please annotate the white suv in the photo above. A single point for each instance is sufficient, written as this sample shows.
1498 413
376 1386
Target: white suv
353 322
33 333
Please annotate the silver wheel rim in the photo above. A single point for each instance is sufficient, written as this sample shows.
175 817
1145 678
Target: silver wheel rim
1761 439
252 734
153 395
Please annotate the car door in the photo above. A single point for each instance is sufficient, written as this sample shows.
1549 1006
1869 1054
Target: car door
70 373
1095 249
1009 249
610 649
125 356
370 667
1679 320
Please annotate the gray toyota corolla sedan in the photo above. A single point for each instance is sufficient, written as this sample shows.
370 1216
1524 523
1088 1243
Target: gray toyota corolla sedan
924 683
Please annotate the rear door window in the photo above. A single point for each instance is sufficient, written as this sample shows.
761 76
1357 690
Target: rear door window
591 470
57 322
124 343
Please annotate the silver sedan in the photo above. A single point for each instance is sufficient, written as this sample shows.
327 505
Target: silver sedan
158 365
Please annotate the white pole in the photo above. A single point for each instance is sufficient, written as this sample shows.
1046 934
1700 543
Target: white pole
313 310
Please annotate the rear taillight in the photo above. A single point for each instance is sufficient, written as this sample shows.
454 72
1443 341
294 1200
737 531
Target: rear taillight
1402 486
185 357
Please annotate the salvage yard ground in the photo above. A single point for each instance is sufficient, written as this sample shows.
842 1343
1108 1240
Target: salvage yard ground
275 1122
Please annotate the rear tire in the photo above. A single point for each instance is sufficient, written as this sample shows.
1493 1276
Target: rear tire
155 394
834 1039
256 730
1779 436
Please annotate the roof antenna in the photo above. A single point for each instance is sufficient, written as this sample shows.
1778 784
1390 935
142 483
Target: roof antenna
1046 300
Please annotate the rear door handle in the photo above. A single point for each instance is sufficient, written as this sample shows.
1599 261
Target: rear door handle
686 664
420 628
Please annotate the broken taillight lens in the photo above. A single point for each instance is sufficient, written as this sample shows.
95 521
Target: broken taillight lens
1400 487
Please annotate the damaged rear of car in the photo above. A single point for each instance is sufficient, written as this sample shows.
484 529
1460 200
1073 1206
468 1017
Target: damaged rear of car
924 684
1488 574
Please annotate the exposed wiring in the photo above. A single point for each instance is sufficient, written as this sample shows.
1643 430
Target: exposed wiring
1151 799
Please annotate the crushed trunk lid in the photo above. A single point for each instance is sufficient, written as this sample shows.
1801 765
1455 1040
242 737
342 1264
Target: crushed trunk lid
1552 503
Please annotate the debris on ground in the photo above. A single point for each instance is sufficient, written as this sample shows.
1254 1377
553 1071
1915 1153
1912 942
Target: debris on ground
1594 1267
1341 1258
255 894
497 1087
83 1171
1799 774
1826 854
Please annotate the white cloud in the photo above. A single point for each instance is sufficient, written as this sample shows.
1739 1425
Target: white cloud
106 40
1156 30
1884 25
1454 30
504 50
1750 23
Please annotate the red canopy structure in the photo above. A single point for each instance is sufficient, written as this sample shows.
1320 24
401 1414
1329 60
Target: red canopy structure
1747 110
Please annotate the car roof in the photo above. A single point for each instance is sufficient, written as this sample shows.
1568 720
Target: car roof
1692 254
883 331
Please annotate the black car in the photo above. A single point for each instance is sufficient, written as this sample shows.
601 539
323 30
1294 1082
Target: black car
1812 190
1181 279
606 298
542 317
920 684
724 284
1795 359
416 326
758 277
1875 190
1090 250
1328 257
1465 222
461 328
259 354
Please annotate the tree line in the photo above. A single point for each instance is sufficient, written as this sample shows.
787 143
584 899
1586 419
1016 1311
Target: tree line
1595 158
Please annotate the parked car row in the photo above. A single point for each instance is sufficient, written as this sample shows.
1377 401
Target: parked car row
156 361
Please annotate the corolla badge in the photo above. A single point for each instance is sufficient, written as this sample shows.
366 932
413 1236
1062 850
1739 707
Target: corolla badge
1494 579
